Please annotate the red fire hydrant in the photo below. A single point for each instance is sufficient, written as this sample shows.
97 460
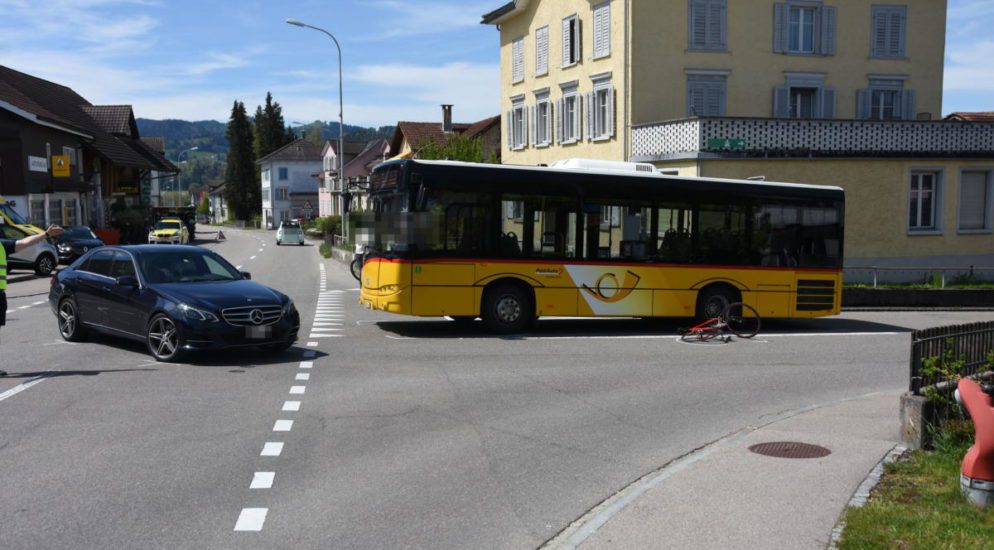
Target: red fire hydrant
977 474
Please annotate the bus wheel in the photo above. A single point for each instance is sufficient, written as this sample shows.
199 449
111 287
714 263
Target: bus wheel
712 301
507 309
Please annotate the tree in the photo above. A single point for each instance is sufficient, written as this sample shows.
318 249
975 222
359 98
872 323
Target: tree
458 147
241 192
270 128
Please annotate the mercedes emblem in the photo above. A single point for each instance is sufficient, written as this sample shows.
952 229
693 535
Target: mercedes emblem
256 316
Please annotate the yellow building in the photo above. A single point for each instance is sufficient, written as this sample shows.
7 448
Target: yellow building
832 92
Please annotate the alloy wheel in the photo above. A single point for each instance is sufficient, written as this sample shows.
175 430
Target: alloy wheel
163 338
67 319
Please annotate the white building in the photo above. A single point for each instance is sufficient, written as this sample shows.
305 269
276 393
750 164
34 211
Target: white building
290 182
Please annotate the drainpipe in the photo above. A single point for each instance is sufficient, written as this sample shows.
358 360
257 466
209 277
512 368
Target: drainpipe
627 137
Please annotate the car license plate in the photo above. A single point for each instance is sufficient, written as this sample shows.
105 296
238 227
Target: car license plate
258 333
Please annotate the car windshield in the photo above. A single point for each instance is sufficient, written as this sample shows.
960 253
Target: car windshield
79 232
180 266
167 225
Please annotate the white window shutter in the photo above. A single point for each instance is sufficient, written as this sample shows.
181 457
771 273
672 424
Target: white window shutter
716 27
697 24
509 125
577 117
610 113
567 44
895 31
548 124
863 103
828 102
828 30
518 60
781 102
602 30
781 24
542 51
588 128
531 125
561 107
578 42
908 104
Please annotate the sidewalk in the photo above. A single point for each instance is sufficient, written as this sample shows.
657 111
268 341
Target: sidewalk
725 496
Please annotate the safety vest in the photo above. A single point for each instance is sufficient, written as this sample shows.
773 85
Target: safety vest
3 269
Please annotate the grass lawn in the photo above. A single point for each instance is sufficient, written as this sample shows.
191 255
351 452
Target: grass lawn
918 505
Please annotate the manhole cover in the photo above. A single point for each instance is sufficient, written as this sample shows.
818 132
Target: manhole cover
790 449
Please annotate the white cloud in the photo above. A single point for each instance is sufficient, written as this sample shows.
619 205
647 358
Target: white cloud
970 67
419 18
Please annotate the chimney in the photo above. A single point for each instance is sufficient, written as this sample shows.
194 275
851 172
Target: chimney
447 118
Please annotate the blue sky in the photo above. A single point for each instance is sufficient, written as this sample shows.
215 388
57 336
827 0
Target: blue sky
191 60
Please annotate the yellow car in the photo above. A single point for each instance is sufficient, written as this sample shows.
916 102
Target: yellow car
169 231
9 216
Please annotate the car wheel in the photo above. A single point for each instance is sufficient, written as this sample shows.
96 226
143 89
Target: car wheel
507 309
278 242
301 243
712 302
45 264
164 339
277 348
69 325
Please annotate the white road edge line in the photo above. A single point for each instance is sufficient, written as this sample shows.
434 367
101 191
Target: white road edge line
21 387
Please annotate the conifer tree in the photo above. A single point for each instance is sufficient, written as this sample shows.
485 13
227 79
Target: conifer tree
241 191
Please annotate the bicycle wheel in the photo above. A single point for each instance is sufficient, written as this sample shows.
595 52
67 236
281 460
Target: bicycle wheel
742 319
356 269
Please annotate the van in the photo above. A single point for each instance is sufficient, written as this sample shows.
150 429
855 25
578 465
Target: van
11 217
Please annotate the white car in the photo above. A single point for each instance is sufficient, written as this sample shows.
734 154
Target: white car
42 257
289 233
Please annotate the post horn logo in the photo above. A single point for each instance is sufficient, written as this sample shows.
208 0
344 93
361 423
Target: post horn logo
614 293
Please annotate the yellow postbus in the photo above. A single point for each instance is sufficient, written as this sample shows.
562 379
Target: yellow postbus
593 238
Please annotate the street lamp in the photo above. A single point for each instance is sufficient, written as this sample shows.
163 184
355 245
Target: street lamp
341 109
177 160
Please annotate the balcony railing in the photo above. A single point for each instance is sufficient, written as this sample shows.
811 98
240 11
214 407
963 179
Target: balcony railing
751 137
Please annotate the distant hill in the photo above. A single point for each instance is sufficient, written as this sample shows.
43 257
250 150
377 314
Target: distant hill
209 135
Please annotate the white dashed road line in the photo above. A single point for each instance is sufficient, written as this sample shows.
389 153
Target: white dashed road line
272 448
251 519
298 390
283 426
262 480
303 376
291 406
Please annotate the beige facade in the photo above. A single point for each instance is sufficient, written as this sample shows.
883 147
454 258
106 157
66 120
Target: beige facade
654 62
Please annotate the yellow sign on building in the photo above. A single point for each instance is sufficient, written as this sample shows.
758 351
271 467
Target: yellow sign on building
60 166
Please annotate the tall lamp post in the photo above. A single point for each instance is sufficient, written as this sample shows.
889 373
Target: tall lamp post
341 120
177 160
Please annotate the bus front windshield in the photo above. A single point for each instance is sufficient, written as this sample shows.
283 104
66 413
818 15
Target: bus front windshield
12 215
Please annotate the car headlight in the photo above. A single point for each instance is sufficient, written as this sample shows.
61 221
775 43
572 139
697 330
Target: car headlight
64 248
197 314
289 308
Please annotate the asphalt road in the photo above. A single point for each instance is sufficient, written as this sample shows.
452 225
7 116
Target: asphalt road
405 432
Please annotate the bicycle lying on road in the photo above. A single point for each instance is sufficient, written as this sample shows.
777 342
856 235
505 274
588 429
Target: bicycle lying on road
737 318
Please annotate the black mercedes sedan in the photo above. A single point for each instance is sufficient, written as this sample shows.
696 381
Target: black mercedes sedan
176 300
76 241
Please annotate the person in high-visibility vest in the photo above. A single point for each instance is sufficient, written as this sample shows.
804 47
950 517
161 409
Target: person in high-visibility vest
10 246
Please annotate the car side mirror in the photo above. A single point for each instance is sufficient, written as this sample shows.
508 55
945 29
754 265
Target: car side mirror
246 275
127 281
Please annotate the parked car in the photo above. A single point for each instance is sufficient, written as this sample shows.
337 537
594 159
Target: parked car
169 231
175 299
76 241
289 233
42 257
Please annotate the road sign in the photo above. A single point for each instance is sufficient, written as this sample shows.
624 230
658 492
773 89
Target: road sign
725 143
37 164
60 166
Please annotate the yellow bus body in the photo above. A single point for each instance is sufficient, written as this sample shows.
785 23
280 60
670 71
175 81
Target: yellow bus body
455 287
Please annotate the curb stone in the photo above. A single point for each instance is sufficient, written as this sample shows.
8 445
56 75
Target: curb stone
862 493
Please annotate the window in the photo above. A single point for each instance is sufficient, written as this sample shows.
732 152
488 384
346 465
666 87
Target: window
706 95
517 137
55 211
600 111
538 226
804 27
99 263
888 31
616 229
541 119
282 194
265 177
975 201
804 97
542 51
518 60
571 41
265 194
70 209
122 266
602 30
71 153
284 174
885 99
568 123
707 24
924 201
38 212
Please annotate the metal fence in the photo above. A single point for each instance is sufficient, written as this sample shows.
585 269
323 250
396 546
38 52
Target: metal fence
937 275
971 343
